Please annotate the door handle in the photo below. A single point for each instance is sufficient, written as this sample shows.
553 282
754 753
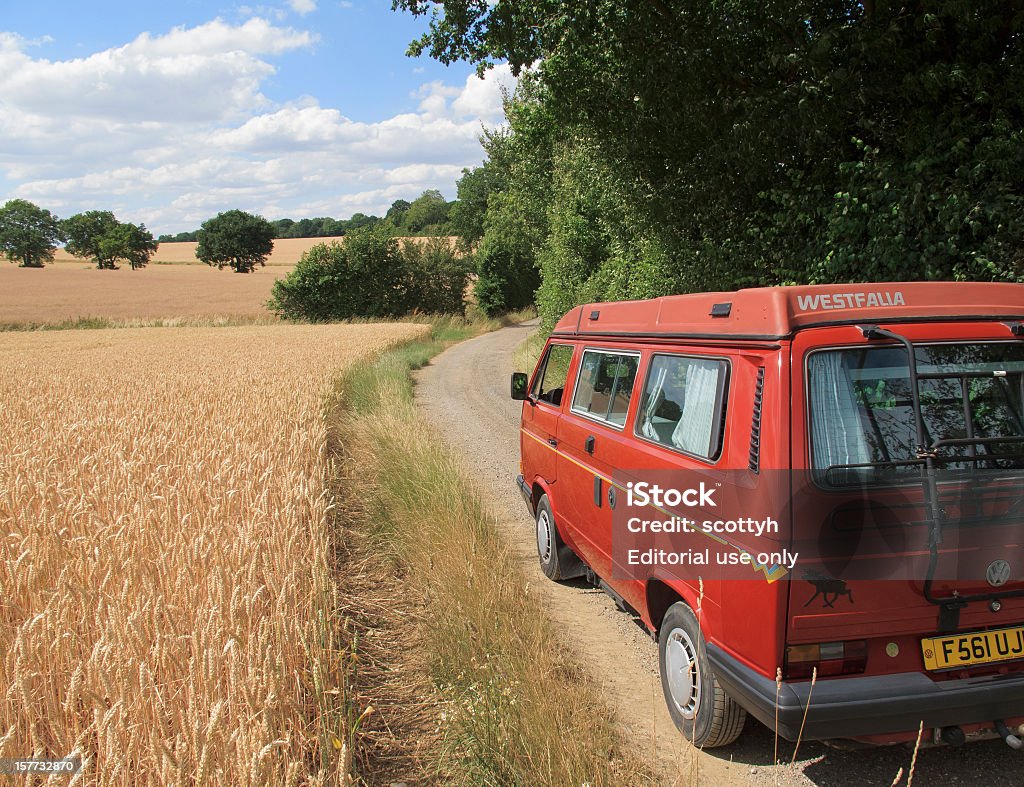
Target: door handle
552 442
588 446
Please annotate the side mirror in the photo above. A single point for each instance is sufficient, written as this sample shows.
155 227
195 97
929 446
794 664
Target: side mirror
520 384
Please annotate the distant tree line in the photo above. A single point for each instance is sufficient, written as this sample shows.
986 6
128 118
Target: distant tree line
372 273
655 148
29 234
320 227
427 215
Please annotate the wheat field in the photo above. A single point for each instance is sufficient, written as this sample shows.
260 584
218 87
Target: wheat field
166 604
159 292
287 251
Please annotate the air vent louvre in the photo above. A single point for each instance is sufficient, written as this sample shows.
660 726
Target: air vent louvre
755 426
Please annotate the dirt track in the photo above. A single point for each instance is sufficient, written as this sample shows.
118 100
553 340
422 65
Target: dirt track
465 393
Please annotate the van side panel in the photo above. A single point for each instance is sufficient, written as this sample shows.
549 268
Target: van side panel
753 612
726 608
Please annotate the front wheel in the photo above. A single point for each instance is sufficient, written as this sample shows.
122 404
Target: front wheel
700 708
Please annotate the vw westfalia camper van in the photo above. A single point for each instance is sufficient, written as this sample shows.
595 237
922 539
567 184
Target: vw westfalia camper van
812 496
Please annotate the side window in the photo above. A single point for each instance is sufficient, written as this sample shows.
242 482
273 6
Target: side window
683 404
550 383
605 385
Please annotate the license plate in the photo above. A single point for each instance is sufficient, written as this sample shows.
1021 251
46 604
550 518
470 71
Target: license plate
979 647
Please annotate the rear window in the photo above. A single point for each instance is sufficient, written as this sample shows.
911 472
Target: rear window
604 387
862 419
683 404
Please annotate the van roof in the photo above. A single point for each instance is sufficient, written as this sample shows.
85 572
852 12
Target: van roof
776 312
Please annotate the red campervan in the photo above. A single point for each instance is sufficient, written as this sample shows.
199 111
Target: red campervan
798 486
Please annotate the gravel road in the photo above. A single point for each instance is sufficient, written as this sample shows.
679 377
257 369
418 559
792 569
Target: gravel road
464 392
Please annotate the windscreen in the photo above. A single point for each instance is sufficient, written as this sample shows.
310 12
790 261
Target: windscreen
862 422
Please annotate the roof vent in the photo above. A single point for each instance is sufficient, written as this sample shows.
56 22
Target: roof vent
721 309
595 314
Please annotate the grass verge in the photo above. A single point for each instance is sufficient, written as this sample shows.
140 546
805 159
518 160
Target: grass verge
445 328
470 678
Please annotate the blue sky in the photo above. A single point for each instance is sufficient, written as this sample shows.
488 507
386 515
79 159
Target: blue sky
168 113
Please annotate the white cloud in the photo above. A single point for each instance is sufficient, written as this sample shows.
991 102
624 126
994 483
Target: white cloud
302 7
216 65
112 131
483 97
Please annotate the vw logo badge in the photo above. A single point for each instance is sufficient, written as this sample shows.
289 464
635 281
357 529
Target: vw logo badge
998 573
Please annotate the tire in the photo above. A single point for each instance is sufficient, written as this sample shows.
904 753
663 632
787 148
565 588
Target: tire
700 708
557 560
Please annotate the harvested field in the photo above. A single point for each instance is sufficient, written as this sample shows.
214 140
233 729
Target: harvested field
67 292
183 289
287 251
166 603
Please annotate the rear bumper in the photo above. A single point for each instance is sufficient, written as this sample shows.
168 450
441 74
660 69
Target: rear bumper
526 492
855 707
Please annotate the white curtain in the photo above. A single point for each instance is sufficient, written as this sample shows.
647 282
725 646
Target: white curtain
654 398
837 434
693 432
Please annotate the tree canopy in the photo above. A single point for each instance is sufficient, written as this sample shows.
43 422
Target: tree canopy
98 235
372 274
132 243
235 238
706 145
430 209
28 233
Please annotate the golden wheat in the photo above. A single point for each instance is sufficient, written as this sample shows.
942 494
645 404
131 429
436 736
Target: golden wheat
165 589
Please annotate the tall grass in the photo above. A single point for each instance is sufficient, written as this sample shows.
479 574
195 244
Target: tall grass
167 599
511 706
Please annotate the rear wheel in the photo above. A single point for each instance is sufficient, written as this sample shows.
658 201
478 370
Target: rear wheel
700 708
557 560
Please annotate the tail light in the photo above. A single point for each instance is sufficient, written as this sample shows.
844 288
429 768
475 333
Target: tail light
830 658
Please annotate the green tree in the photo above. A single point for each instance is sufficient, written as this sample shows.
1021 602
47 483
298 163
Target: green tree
28 233
396 213
363 276
85 233
181 237
359 220
282 227
98 234
747 143
332 228
372 274
132 243
235 238
436 275
474 189
428 212
506 261
516 224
